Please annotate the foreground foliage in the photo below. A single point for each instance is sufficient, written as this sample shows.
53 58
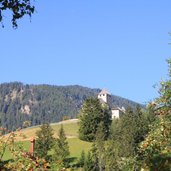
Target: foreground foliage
156 148
18 8
21 158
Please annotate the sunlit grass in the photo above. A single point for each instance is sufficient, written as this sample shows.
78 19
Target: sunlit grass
76 146
70 128
7 154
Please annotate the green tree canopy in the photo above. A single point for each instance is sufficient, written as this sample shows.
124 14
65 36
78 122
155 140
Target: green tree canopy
44 141
126 134
156 148
92 113
98 149
61 147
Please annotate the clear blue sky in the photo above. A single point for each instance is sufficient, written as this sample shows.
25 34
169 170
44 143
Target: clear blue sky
118 45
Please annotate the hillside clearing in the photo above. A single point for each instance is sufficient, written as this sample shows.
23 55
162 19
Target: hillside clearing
70 128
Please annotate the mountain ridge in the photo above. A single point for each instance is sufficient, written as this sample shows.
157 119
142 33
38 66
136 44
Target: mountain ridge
40 103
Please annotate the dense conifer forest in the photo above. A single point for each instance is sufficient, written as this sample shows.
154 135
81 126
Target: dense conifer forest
45 103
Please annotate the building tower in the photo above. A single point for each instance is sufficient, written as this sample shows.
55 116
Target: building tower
104 97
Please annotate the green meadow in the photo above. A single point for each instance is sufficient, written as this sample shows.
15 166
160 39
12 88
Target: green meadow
76 146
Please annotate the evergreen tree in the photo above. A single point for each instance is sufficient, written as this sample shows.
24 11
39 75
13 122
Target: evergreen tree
129 132
92 113
89 164
112 156
99 148
44 141
141 125
82 159
44 103
61 148
126 134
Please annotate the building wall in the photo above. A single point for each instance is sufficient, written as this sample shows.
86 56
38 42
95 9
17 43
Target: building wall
115 113
106 98
103 97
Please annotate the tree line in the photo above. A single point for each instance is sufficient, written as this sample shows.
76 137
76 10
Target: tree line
44 103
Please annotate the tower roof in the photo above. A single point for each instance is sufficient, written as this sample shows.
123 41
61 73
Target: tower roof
104 91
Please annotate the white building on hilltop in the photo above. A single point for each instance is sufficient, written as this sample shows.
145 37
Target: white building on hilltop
105 98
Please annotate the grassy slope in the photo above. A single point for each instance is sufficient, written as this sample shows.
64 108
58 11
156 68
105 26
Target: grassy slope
71 130
70 127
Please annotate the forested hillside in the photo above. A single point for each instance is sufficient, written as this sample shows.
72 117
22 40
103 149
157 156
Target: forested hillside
44 103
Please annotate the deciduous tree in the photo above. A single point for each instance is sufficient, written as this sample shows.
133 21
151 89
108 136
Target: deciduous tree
156 148
18 8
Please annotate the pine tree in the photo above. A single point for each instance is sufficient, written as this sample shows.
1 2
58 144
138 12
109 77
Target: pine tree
44 141
99 148
82 159
128 132
61 148
92 113
89 164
